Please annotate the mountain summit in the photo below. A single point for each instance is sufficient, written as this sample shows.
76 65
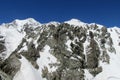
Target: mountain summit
72 50
75 22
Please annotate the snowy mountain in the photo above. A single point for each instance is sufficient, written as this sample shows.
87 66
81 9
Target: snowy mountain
72 50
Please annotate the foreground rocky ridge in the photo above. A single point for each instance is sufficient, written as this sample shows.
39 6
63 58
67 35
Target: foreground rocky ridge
72 50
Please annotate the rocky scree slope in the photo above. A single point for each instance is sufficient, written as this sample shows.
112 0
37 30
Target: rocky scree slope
72 50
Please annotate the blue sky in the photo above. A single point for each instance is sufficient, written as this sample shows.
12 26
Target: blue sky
106 12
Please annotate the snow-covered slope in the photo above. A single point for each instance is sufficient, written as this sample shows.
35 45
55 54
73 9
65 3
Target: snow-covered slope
72 50
27 71
111 71
13 33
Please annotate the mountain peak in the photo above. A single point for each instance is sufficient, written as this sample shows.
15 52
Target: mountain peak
75 22
19 22
31 20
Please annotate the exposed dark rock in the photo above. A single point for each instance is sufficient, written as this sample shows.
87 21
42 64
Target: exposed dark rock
4 76
95 71
103 41
91 34
104 29
11 65
32 54
2 48
93 56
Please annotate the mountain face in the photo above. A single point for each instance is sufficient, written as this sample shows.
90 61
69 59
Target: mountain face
72 50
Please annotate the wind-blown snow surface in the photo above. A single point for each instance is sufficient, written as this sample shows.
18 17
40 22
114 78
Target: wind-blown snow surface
13 38
27 71
46 59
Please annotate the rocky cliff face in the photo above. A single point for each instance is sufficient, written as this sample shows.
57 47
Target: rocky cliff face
72 50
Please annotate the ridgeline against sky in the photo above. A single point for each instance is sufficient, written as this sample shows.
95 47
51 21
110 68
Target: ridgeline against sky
106 12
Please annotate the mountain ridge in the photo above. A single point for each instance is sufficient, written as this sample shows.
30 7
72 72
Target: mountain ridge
71 21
